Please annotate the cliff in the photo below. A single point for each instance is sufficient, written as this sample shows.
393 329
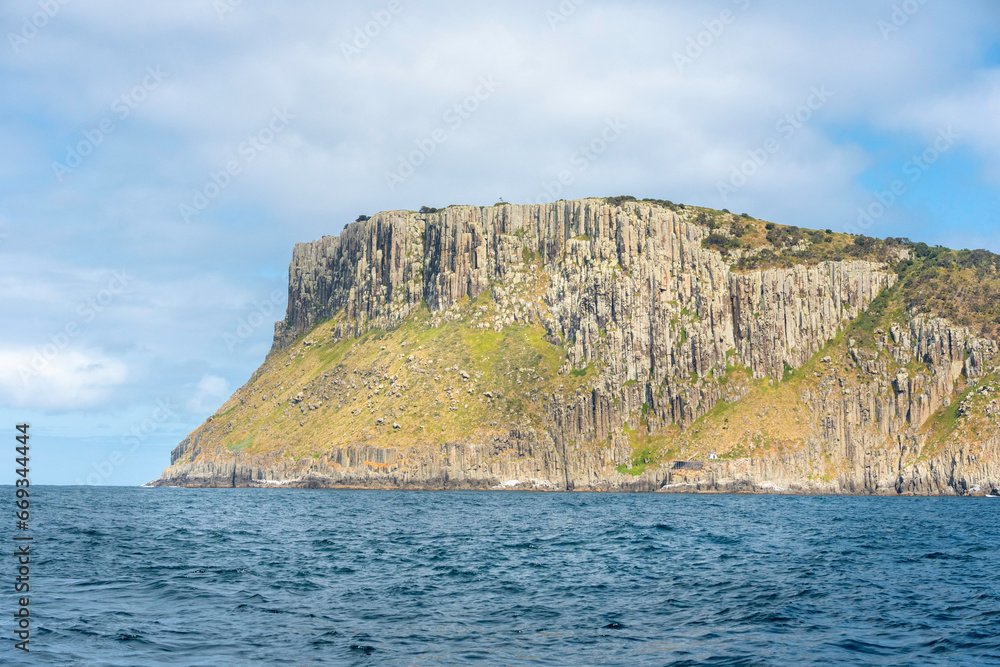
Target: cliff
608 345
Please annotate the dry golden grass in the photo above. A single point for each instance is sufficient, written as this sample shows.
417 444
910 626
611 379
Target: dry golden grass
411 378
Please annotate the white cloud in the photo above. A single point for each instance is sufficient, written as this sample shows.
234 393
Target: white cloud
210 393
972 109
54 378
354 119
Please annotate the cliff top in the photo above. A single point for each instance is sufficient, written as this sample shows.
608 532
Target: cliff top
962 286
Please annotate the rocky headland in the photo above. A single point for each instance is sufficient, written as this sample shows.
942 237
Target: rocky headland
616 345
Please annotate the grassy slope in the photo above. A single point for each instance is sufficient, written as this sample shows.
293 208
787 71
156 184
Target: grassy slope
410 376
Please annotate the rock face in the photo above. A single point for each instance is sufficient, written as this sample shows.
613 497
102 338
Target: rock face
653 320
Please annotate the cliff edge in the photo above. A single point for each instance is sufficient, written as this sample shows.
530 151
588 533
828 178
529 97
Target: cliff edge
614 344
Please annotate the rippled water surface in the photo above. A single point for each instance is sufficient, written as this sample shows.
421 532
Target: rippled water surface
128 576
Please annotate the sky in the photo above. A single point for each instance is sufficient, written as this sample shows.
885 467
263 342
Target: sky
158 161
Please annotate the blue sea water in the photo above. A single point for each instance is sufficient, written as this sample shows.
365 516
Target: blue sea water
129 576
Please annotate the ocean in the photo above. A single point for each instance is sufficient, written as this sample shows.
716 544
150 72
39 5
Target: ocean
137 576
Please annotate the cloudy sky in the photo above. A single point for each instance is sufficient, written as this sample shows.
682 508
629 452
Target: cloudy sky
160 159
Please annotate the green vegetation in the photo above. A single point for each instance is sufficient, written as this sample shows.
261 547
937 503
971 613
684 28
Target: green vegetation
942 425
788 373
665 203
419 385
783 247
236 447
642 460
619 200
737 452
888 308
648 451
690 314
960 285
720 242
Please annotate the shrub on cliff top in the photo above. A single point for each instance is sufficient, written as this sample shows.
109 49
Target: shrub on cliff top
720 242
784 237
619 200
666 203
